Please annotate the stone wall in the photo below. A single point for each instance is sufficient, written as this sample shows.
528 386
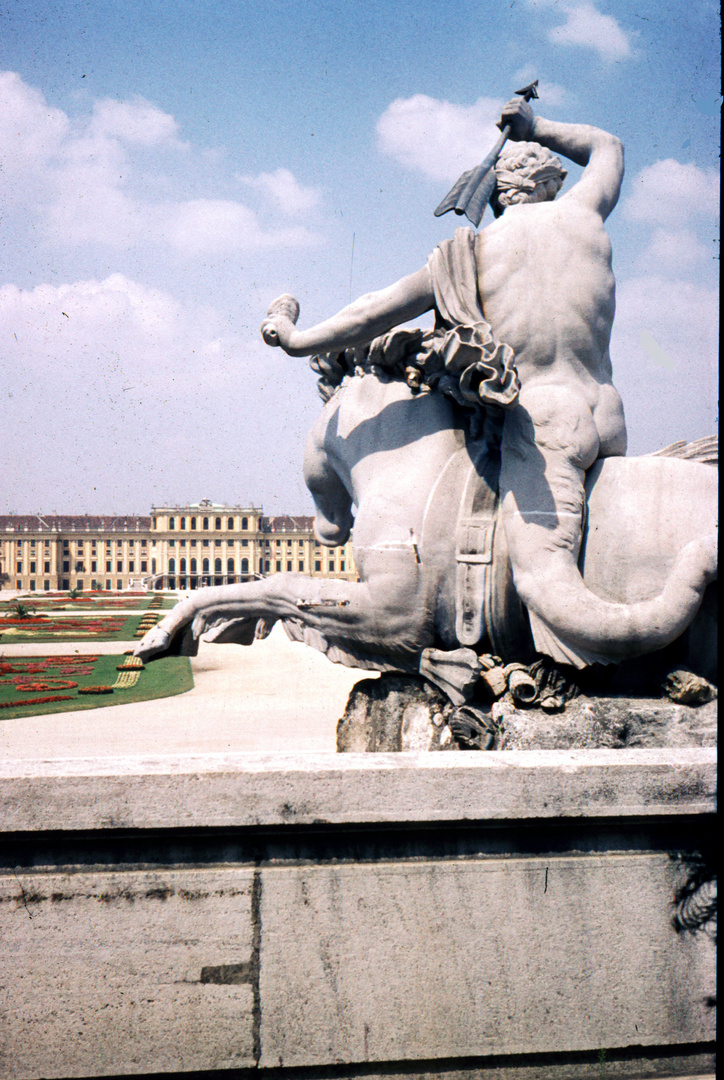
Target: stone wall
499 915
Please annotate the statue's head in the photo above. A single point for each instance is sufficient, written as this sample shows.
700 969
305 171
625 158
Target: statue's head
526 172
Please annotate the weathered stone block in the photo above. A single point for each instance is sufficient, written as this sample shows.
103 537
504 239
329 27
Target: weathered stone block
489 957
129 972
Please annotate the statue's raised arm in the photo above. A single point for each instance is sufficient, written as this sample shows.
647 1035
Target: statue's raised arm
599 152
372 314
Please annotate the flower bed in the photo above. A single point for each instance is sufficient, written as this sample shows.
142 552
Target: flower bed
67 628
87 682
89 601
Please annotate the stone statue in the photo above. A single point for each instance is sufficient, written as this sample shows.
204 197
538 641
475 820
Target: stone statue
495 512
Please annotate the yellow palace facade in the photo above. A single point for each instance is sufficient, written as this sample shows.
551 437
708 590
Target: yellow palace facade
175 547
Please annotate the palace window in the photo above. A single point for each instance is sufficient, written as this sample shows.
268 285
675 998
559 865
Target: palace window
172 566
217 566
119 567
245 543
205 566
144 566
206 523
182 566
289 564
230 566
193 566
317 566
193 523
109 567
46 568
32 568
172 523
300 565
131 567
183 523
217 523
245 566
230 524
245 523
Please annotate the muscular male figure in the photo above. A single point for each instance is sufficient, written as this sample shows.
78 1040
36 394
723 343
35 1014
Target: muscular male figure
546 288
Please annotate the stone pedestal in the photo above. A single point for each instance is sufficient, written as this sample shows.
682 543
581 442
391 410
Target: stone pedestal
497 915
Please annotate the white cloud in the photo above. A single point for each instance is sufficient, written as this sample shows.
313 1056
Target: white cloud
81 183
681 318
674 251
120 391
589 28
205 226
31 134
669 193
135 121
438 138
78 325
284 191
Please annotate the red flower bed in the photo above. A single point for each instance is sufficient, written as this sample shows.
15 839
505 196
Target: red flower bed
102 625
45 684
35 701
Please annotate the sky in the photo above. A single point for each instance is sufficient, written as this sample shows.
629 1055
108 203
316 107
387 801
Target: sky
168 169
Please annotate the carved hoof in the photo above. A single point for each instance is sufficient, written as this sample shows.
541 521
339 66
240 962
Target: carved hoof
156 641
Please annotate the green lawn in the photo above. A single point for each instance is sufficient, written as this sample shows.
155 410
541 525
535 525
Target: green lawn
163 678
64 627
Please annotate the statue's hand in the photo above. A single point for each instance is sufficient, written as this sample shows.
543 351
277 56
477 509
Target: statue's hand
519 115
280 320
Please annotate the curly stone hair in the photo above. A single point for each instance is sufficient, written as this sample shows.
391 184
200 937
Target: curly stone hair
521 166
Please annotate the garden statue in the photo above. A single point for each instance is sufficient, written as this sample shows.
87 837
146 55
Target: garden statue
495 513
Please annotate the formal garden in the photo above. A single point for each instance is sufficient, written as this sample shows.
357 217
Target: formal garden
32 685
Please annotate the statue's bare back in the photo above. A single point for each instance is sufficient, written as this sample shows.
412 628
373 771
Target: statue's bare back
547 290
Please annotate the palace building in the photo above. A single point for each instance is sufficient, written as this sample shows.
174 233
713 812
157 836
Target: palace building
176 547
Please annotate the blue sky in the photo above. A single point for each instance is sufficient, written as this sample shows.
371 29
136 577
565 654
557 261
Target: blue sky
168 169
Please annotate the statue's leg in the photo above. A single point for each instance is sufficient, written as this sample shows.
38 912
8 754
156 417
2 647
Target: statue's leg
548 443
386 610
